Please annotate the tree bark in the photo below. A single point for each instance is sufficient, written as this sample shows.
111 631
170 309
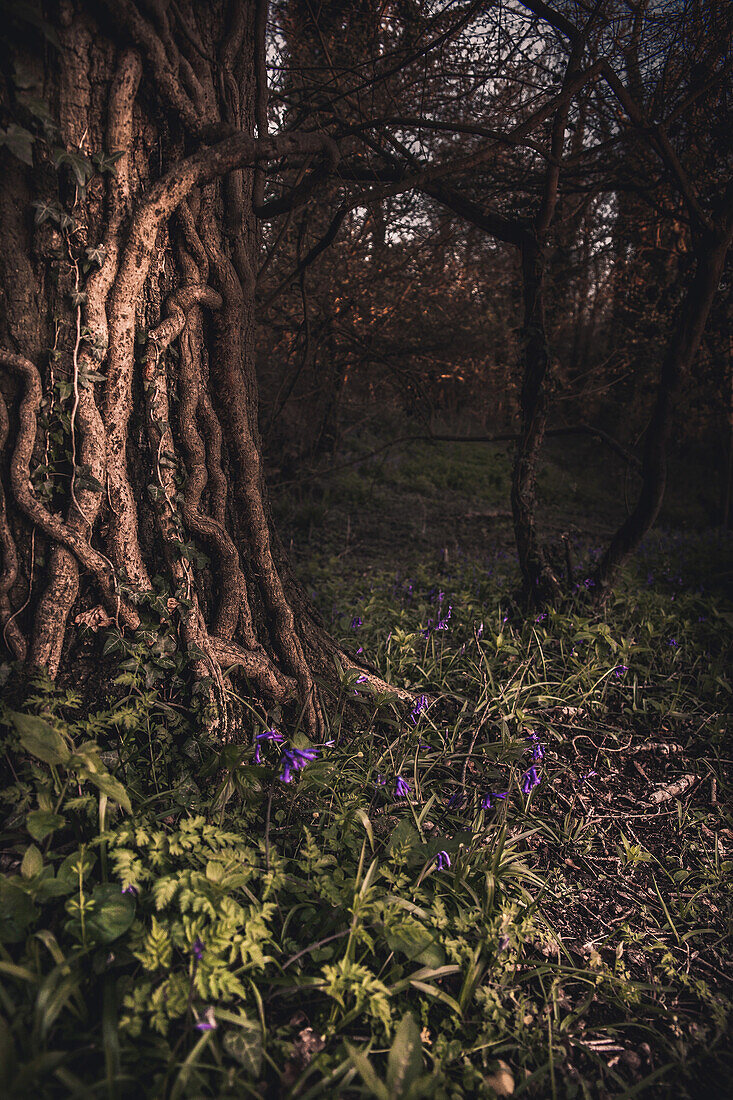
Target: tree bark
147 223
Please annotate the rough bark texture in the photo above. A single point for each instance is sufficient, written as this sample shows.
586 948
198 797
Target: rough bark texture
141 275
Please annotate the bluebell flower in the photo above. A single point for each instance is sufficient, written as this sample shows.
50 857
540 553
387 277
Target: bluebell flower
442 624
541 618
620 670
207 1022
673 643
487 802
402 788
420 705
530 779
267 735
197 948
381 780
588 775
442 861
132 890
293 760
356 622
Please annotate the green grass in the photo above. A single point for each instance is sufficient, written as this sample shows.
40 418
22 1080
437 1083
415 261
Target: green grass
575 947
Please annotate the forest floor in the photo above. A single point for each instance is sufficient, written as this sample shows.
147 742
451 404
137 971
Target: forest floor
521 887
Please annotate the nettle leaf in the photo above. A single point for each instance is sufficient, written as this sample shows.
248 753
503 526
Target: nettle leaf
405 1061
40 739
17 911
41 823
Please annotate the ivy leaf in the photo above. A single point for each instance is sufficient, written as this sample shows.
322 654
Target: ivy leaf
40 739
106 162
245 1045
19 142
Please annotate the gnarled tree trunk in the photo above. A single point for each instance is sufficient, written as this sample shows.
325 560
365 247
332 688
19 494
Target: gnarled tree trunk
128 393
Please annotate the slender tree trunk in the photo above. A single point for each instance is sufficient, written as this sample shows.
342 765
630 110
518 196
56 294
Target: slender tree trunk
680 354
539 579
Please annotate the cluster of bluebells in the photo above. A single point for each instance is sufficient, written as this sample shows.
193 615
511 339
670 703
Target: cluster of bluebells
530 779
402 788
421 705
535 747
441 623
294 760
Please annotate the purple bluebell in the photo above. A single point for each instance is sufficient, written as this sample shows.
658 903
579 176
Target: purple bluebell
530 779
132 890
442 624
420 705
293 760
381 780
402 788
197 948
541 618
487 802
620 670
588 775
442 861
266 735
207 1022
673 643
356 622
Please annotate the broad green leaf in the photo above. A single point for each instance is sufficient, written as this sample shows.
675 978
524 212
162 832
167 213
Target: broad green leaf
405 1061
40 739
68 872
109 918
32 862
413 940
41 823
112 787
16 912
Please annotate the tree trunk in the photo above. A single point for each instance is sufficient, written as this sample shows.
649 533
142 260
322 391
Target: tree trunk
132 449
540 582
679 357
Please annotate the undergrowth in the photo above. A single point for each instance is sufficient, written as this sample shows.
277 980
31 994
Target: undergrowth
493 893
